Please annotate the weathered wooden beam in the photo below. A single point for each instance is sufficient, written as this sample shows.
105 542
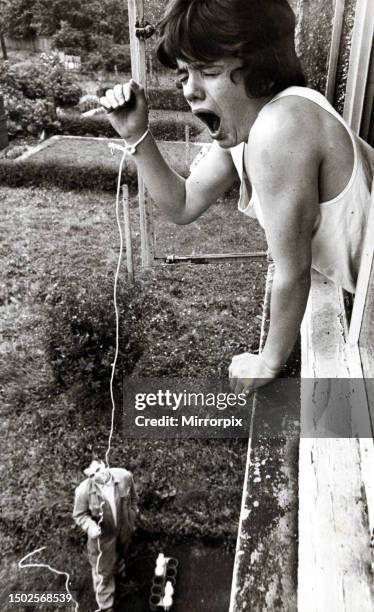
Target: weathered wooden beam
139 74
359 60
336 456
128 233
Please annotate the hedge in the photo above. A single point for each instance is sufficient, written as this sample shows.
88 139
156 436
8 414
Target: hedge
99 126
33 173
167 99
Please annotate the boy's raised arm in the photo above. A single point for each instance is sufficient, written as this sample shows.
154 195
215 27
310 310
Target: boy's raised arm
183 200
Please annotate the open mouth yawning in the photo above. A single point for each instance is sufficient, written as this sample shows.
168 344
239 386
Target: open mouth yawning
210 119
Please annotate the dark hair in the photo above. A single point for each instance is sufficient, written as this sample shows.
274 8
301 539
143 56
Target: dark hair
260 32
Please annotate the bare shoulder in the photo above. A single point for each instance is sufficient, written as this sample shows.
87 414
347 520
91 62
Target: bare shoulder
291 123
285 142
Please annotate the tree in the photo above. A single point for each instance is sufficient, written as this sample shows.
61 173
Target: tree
4 9
19 18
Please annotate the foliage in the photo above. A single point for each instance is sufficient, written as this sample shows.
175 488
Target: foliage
49 79
116 56
31 97
19 18
81 331
33 173
166 99
88 102
24 115
30 116
27 18
69 39
93 62
99 126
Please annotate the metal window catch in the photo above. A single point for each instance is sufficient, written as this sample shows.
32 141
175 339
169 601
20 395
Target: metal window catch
144 29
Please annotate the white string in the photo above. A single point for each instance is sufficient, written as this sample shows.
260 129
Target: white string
114 364
22 565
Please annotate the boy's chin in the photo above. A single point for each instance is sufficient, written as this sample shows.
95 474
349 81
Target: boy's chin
226 143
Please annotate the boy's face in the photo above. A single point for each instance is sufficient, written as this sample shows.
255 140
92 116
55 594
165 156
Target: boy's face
219 101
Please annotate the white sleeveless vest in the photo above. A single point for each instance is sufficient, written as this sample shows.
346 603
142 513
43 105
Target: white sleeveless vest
339 232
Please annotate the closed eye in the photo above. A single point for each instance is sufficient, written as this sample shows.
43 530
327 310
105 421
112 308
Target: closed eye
210 73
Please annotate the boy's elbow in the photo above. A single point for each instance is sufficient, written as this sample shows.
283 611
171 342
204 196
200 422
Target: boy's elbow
182 216
299 274
183 220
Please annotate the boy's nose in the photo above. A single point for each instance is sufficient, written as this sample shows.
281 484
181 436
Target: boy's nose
193 89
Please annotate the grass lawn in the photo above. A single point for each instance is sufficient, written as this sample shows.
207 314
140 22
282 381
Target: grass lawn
193 318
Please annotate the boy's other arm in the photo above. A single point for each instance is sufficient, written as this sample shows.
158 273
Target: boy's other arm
284 162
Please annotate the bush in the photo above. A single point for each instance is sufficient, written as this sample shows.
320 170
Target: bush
66 92
88 102
116 56
30 97
81 332
49 79
99 126
167 99
68 38
24 115
29 116
93 62
33 173
76 125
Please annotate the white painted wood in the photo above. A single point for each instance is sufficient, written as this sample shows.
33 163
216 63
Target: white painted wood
336 502
324 332
334 49
359 60
334 553
363 280
367 470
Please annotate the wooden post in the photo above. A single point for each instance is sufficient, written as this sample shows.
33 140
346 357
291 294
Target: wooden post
4 141
138 69
334 49
128 236
187 144
359 60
